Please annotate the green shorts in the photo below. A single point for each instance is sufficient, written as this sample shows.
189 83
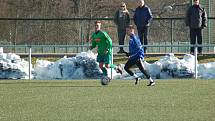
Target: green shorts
104 58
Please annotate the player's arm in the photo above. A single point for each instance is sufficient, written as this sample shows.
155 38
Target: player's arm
109 42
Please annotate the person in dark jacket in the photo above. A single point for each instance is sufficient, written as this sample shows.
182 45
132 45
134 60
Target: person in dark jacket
196 19
136 56
142 18
122 20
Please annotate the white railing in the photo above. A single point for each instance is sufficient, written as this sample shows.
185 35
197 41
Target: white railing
35 46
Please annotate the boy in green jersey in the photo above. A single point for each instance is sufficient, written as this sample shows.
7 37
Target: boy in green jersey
103 41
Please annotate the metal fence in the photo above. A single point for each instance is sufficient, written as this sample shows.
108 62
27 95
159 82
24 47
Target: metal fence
48 32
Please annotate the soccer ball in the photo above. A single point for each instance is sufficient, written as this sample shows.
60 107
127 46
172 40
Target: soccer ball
105 80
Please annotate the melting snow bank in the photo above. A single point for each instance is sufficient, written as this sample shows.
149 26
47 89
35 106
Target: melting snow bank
84 66
13 67
170 66
206 71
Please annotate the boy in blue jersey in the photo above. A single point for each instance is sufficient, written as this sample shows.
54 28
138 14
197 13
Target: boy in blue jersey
136 56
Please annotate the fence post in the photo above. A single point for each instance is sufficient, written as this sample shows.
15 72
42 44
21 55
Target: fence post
29 56
82 42
196 71
111 71
171 34
209 23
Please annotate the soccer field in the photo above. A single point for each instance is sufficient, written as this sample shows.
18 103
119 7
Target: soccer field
121 100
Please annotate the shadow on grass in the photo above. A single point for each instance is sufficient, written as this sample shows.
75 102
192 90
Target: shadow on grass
48 84
75 86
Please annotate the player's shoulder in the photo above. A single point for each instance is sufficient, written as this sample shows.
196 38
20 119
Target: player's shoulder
93 34
100 32
103 32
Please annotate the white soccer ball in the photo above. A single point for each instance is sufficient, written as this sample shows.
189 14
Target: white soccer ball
105 80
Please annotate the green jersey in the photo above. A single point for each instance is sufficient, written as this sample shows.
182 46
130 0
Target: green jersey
103 41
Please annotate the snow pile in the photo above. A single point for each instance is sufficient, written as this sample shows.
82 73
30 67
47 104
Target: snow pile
13 67
170 66
206 71
82 66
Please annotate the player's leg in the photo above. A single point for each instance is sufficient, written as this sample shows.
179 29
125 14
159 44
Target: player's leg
101 61
127 67
104 70
108 64
140 65
105 79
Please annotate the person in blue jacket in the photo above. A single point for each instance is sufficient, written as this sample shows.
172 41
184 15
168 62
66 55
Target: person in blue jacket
142 18
136 56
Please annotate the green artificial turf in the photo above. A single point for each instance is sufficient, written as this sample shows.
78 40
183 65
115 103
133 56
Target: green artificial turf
121 100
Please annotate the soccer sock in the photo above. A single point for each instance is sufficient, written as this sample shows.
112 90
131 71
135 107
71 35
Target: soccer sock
151 80
104 70
112 66
135 76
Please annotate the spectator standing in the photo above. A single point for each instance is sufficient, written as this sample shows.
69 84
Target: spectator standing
196 19
122 20
142 19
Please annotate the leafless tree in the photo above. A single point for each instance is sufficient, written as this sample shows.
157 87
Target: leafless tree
74 31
